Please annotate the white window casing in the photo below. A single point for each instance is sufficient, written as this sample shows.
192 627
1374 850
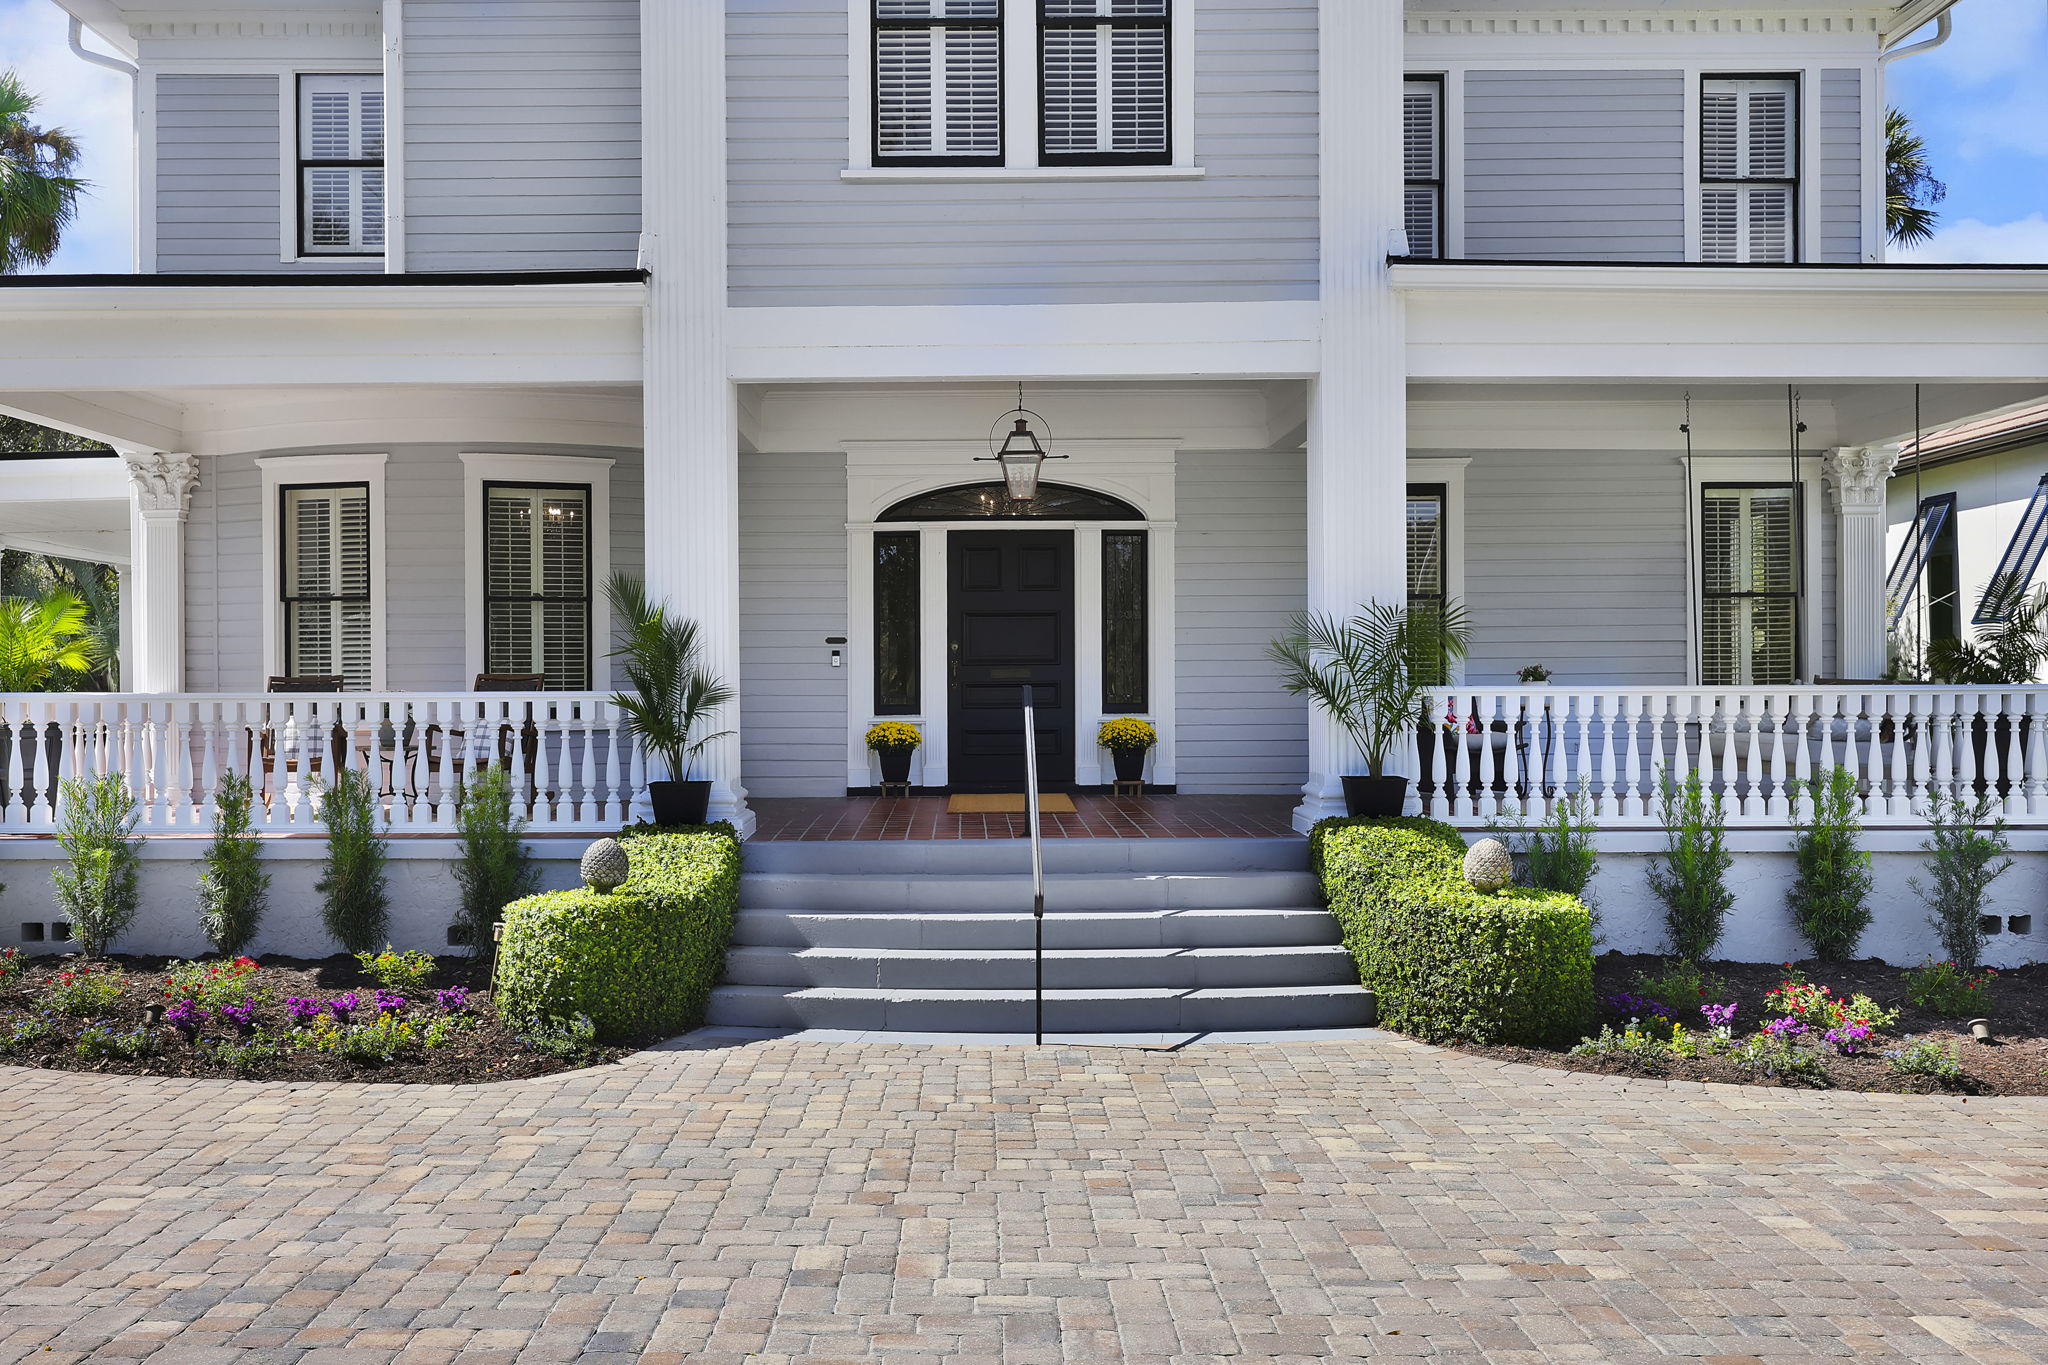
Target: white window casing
323 538
1749 169
340 172
1422 158
494 485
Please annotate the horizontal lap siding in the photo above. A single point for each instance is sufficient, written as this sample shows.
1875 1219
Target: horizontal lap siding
801 235
1575 165
522 124
425 526
792 597
221 186
1241 571
1840 114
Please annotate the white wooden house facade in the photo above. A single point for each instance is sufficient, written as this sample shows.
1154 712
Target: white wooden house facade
446 309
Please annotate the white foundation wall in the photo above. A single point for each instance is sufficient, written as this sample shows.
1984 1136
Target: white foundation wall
420 877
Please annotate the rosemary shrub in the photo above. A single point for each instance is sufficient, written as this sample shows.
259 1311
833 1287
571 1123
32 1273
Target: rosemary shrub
1968 853
1693 882
495 868
100 891
234 889
1830 892
356 908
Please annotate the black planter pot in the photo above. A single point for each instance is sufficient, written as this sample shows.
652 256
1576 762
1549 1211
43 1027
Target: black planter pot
679 803
1375 796
1130 764
896 763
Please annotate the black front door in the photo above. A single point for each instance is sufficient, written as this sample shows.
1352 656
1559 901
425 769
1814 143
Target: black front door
1010 609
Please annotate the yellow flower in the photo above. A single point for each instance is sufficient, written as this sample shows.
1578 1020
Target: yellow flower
1126 732
893 734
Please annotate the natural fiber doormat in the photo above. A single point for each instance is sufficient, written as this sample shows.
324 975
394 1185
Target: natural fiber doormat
1007 803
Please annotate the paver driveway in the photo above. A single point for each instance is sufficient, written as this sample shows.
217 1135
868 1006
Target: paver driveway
807 1201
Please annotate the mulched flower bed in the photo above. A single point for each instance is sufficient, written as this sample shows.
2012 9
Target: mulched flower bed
304 1021
2016 1064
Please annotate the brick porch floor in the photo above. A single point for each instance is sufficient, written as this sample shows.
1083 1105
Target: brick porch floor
1094 817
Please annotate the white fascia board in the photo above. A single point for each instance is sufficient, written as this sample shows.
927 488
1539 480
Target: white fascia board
151 338
87 479
1535 323
1024 341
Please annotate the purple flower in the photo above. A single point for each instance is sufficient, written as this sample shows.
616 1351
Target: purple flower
1719 1016
1788 1027
243 1017
185 1016
1849 1038
302 1010
1628 1005
454 999
341 1005
390 1002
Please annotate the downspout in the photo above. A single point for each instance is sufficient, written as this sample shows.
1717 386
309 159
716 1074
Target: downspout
79 51
1943 26
134 74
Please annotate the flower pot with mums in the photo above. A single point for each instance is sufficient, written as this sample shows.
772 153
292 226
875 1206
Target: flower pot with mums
1128 740
894 741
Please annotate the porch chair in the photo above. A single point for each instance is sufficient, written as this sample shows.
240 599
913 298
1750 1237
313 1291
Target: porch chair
266 738
528 733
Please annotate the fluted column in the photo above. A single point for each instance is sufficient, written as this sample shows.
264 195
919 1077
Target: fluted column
153 590
691 408
1358 407
1857 476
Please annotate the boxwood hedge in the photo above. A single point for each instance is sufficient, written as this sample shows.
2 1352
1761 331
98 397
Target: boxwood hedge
1448 962
640 961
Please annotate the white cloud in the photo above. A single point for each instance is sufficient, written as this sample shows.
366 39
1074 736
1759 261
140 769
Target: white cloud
95 106
1971 242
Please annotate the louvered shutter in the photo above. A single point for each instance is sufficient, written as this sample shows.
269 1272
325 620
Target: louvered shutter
537 601
1105 67
1748 161
1749 587
2016 567
1425 546
1422 158
938 80
1902 584
327 585
341 155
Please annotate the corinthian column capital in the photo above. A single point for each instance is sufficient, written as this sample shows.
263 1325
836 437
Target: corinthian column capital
1857 475
163 481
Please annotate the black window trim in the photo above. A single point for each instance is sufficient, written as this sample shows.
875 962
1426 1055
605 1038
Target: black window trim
1796 593
876 24
1440 183
304 163
589 598
286 598
1798 177
915 704
1162 22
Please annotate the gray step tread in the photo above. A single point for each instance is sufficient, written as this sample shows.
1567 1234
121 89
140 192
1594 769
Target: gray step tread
1139 993
1025 954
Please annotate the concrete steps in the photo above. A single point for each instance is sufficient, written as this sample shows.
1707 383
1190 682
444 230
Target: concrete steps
1141 936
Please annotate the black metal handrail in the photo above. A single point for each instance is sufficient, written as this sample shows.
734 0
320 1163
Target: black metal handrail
1037 871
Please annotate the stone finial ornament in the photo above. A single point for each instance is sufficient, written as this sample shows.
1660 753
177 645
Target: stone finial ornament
605 866
1489 866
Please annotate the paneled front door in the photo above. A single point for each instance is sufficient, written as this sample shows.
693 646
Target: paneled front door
1010 621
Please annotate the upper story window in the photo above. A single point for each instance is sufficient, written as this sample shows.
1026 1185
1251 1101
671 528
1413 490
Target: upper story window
1749 168
341 165
1094 76
1422 157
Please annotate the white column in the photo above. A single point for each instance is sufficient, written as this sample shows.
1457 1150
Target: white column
153 589
1856 477
1358 407
691 407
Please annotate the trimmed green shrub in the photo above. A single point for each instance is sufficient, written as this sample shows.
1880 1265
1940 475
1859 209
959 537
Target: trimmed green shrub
1448 962
1830 897
101 890
356 907
1693 881
234 889
639 962
496 867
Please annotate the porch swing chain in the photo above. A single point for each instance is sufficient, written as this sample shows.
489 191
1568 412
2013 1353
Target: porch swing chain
1794 428
1693 566
1919 588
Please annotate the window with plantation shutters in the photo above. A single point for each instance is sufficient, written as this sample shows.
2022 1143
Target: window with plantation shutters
537 590
938 82
1106 82
1749 586
341 165
1749 169
1426 593
326 589
1422 117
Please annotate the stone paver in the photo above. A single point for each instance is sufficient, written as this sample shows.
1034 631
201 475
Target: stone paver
804 1201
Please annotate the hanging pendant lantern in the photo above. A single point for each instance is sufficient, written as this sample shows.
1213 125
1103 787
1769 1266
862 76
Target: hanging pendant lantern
1021 455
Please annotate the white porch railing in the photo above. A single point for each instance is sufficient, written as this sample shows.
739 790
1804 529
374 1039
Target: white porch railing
572 765
1497 751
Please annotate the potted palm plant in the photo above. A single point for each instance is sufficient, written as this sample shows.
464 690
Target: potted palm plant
671 700
1372 674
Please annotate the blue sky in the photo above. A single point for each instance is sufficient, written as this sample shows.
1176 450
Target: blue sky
1981 101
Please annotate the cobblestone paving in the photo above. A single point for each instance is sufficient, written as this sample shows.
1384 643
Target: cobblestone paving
799 1201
